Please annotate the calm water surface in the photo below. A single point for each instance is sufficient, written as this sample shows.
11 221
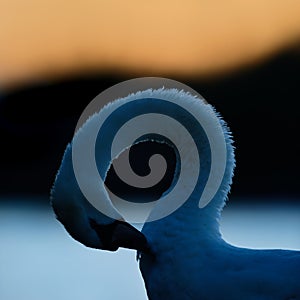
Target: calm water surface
39 261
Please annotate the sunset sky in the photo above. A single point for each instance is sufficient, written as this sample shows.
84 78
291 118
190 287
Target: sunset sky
42 39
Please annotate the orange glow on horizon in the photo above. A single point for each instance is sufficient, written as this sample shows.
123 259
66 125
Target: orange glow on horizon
41 39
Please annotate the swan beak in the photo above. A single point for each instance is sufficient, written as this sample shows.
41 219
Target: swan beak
120 234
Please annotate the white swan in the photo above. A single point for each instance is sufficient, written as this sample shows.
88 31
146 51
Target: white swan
182 253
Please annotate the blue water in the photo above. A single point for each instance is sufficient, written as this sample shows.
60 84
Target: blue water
39 261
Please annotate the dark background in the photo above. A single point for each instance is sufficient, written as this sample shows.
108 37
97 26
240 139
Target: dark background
260 104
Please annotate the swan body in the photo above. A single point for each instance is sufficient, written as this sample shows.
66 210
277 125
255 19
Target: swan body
182 255
198 268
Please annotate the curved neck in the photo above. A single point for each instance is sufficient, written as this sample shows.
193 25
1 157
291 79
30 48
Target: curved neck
190 224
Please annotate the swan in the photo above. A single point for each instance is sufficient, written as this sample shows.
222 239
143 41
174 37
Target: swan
180 249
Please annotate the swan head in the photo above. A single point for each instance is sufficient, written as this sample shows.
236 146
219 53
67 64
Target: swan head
83 222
